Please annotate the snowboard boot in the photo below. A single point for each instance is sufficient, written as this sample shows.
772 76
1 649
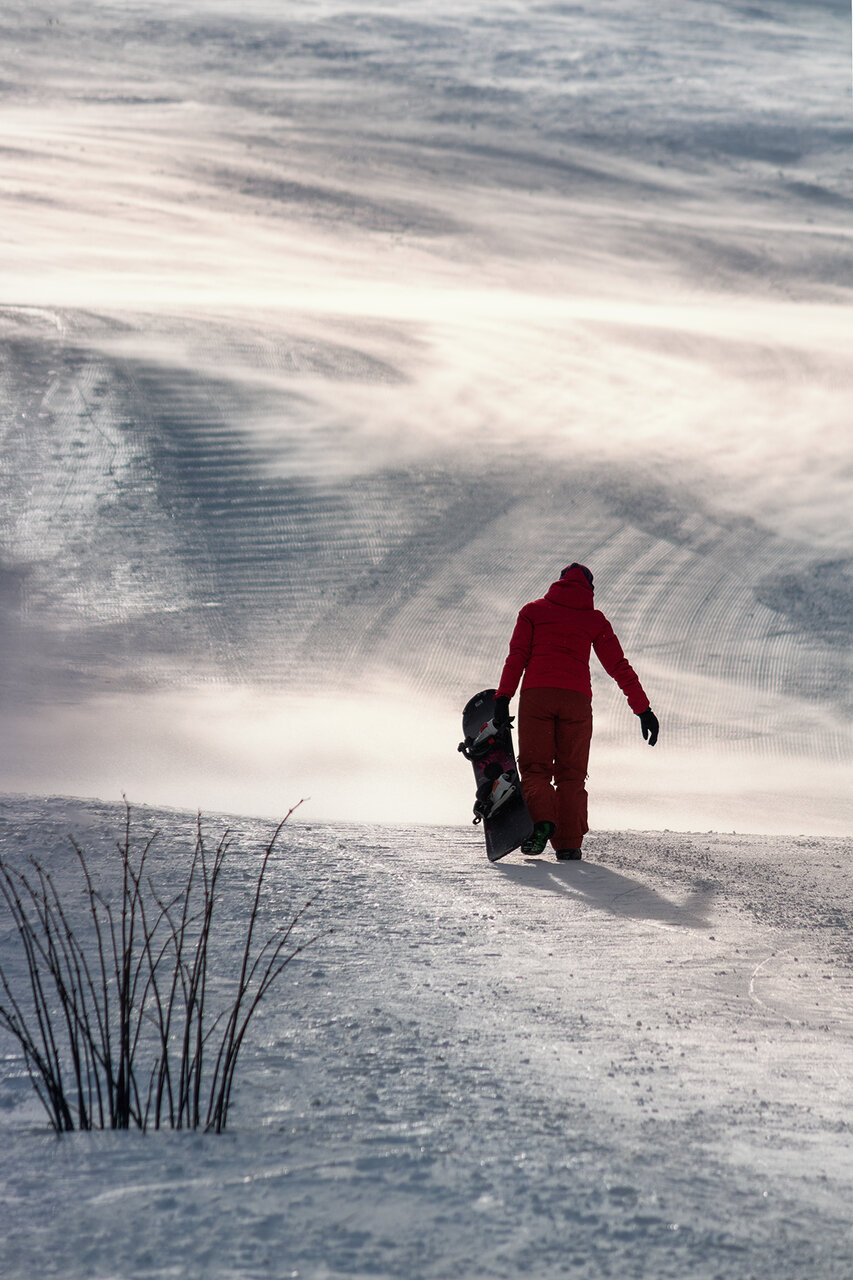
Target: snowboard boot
538 838
567 855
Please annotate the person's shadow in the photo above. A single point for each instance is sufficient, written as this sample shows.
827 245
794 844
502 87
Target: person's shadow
611 891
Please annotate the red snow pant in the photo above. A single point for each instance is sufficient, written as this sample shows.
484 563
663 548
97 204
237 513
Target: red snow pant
554 733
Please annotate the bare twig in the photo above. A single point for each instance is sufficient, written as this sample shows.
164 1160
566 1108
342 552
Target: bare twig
137 991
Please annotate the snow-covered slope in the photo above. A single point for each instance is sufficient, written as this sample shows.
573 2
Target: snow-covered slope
330 333
635 1066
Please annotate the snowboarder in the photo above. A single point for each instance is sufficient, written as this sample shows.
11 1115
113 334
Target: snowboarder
551 644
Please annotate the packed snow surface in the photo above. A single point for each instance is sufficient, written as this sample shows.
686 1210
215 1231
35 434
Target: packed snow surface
638 1065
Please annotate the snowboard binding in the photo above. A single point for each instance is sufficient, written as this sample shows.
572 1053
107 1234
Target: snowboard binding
482 743
495 790
497 784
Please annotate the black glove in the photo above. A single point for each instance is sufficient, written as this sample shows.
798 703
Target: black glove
501 716
649 725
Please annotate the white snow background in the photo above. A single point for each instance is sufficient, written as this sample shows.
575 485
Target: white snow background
328 334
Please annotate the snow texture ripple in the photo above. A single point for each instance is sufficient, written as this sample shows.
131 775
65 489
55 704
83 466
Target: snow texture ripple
330 332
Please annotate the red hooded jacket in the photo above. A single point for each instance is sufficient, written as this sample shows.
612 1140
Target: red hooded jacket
552 641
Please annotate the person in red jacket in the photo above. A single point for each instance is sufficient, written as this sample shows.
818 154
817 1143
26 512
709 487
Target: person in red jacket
551 645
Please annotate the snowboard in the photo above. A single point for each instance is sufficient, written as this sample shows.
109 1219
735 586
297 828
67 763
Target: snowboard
499 802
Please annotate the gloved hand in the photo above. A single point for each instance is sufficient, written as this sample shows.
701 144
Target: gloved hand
501 716
649 725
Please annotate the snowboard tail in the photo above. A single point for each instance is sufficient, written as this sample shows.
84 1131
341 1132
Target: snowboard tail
499 802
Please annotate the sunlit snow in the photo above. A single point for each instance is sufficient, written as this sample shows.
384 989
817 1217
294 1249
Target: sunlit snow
329 333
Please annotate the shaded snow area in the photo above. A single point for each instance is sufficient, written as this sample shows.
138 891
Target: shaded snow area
634 1066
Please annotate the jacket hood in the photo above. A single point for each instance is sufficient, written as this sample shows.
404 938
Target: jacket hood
573 590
